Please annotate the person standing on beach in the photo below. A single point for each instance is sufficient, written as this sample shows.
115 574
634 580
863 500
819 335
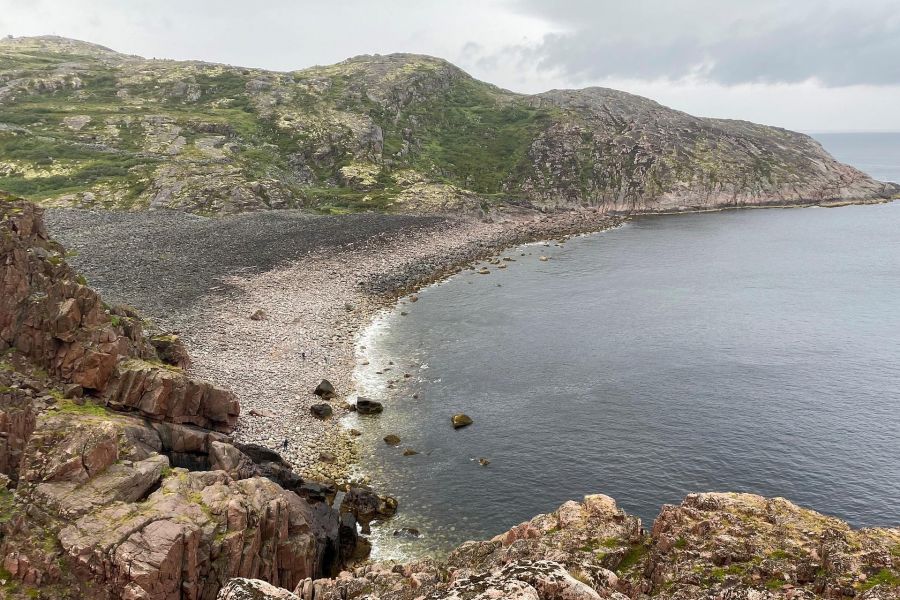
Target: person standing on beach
284 445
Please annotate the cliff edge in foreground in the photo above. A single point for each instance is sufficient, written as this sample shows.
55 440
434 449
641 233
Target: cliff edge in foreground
712 546
82 125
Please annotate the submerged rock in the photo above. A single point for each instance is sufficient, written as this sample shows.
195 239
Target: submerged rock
365 406
407 532
392 439
461 420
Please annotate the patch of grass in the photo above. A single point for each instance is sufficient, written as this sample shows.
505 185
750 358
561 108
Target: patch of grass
88 408
631 558
473 138
774 583
884 577
681 543
7 505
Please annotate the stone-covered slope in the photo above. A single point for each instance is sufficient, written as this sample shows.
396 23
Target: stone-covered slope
118 478
711 546
82 125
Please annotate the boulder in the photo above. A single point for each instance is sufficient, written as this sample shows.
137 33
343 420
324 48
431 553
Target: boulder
225 457
171 350
461 420
258 315
366 505
325 390
253 589
321 411
407 532
365 406
409 452
392 439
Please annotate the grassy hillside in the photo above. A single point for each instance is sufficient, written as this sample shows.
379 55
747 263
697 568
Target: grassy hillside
82 125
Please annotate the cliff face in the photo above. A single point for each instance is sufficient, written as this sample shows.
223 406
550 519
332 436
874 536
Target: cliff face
118 478
85 126
715 546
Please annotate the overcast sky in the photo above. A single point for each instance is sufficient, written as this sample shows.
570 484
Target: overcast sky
811 65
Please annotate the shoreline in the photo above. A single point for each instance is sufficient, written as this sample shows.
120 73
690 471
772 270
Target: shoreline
317 306
468 242
415 263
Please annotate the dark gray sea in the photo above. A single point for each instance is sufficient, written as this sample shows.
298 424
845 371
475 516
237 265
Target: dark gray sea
754 350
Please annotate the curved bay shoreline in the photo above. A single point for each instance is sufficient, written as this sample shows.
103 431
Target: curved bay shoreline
316 306
317 298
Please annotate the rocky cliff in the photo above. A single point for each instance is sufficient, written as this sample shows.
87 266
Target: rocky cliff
82 125
713 546
118 478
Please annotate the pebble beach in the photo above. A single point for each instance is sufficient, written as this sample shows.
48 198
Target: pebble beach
312 285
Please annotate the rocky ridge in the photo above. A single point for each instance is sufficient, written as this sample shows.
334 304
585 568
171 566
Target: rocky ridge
711 546
118 474
85 126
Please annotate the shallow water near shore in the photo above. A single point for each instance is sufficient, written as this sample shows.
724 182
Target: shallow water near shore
752 350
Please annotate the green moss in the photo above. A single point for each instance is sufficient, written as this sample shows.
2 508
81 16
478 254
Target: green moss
88 408
681 543
631 558
116 320
7 505
774 583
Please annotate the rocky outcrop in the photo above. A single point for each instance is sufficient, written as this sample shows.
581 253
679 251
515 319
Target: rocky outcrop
48 313
401 132
711 546
123 480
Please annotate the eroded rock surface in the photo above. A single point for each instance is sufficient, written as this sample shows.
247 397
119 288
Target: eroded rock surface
711 546
119 478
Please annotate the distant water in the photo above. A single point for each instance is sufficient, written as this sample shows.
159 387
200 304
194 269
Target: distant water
877 154
753 350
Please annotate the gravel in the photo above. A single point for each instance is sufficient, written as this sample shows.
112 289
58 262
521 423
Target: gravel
318 280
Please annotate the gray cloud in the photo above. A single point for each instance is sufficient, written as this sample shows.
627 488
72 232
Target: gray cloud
730 42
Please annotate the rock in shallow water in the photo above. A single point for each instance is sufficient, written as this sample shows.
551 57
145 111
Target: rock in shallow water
461 420
365 406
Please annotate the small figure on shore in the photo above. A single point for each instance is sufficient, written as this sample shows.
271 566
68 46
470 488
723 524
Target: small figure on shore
303 355
284 444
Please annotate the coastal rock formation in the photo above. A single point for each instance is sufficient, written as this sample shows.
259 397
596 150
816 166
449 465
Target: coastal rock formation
711 546
48 314
401 132
119 478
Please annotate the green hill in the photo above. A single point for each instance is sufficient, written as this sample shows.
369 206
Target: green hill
82 125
